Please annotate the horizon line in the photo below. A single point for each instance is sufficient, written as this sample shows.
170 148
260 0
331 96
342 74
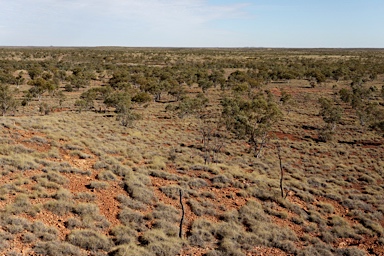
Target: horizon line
196 47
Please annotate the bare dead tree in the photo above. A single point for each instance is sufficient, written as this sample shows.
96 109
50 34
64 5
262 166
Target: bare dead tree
218 144
182 214
206 132
261 145
281 169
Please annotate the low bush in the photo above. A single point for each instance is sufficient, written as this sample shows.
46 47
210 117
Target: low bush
170 229
220 181
73 223
123 235
201 233
350 251
139 191
59 207
28 238
15 225
158 243
126 201
133 219
56 248
22 205
43 232
89 240
171 191
130 249
85 196
106 175
98 185
63 194
197 183
166 212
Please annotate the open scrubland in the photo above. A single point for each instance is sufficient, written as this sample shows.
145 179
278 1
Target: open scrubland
268 151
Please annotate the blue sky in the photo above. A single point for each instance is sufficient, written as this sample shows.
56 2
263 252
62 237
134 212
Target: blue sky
193 23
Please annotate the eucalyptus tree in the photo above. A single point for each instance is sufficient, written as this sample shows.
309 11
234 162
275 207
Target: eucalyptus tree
7 98
39 87
251 118
331 115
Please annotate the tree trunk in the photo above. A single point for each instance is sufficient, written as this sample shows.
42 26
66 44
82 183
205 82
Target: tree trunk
182 214
281 170
262 143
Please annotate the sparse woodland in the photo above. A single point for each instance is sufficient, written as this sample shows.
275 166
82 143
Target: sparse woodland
268 151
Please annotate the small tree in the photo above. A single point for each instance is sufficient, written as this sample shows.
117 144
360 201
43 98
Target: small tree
122 103
331 115
40 86
251 119
19 79
345 95
369 114
189 106
287 101
7 101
